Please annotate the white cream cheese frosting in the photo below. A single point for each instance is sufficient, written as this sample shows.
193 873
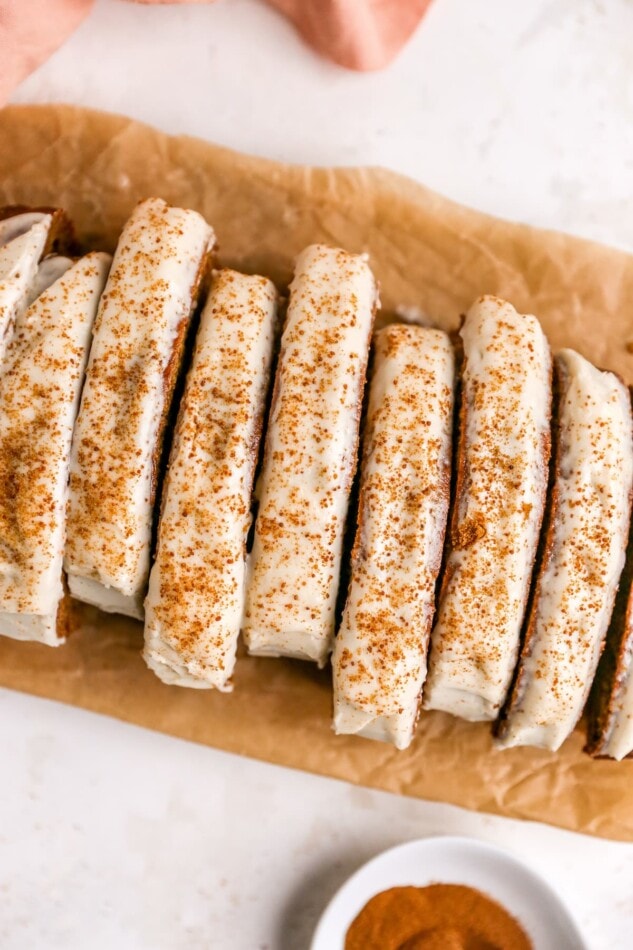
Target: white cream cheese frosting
40 385
23 240
49 270
379 658
500 496
310 456
584 556
15 225
138 339
194 607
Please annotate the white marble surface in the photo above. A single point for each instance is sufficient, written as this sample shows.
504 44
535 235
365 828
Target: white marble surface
114 837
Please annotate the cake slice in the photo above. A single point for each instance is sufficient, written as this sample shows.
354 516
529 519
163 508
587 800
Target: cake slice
610 707
195 602
40 386
502 472
583 556
310 456
379 658
158 269
26 237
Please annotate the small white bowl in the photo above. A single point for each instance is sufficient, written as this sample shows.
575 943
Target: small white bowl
451 860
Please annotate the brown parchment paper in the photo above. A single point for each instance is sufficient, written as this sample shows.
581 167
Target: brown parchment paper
429 254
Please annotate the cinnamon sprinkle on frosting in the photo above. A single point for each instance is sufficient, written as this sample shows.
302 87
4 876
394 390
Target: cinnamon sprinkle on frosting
502 469
138 345
587 530
310 457
379 659
196 591
40 384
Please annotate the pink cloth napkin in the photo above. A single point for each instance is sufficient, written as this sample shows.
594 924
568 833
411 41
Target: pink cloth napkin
358 34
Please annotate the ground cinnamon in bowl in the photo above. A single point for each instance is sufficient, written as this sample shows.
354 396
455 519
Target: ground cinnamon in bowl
436 917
